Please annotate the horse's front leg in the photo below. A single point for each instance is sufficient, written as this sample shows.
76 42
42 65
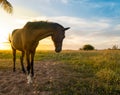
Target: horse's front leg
14 59
28 67
32 63
22 64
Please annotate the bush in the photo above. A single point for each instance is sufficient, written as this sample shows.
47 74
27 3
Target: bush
88 47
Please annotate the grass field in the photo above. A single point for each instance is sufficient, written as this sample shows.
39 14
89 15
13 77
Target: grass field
81 72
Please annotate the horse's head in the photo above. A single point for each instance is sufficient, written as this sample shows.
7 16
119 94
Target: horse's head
58 37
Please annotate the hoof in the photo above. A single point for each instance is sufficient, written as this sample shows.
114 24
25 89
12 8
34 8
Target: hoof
29 78
24 72
14 70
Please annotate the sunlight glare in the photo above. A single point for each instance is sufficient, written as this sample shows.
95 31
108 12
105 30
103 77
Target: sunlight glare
5 46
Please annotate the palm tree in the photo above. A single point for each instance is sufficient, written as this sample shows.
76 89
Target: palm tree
6 6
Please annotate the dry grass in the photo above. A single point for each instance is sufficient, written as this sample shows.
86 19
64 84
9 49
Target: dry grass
67 73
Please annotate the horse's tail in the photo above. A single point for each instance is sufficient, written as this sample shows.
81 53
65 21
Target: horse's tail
9 38
10 35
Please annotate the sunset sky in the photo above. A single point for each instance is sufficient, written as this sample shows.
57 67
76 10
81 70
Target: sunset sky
95 22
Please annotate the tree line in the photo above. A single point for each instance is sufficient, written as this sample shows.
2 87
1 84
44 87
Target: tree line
90 47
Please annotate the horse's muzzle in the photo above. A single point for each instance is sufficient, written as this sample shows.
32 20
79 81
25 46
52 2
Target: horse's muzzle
57 50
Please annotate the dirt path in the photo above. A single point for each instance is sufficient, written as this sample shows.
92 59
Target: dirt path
45 73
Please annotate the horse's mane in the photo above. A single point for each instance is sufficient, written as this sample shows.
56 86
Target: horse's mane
36 24
40 24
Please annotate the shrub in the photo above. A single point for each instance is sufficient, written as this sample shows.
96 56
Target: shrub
88 47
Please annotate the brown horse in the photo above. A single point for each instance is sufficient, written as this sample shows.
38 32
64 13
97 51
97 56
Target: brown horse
27 38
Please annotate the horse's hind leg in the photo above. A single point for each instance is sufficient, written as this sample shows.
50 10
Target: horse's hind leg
14 59
28 61
22 64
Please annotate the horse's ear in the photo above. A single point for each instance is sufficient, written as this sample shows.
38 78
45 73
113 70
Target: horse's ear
66 28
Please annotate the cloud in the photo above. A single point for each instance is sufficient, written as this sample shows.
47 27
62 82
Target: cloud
101 33
65 1
117 27
81 26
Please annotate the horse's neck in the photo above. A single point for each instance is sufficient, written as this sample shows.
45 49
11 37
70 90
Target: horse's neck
43 35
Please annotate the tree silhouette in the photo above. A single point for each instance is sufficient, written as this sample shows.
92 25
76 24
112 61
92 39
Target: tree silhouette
115 47
6 6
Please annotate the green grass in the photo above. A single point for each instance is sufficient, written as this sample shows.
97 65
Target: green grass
85 72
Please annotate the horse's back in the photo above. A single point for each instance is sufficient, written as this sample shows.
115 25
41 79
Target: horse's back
14 31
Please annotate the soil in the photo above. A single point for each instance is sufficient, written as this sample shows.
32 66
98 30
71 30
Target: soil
15 83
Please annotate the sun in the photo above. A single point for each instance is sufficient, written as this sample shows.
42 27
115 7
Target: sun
4 43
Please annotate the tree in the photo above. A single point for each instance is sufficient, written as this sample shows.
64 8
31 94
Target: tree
115 47
88 47
6 6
